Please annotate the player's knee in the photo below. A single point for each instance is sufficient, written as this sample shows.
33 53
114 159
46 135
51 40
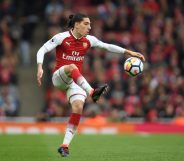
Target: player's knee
69 68
77 107
73 66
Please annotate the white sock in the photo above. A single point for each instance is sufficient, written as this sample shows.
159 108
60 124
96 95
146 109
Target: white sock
81 81
69 134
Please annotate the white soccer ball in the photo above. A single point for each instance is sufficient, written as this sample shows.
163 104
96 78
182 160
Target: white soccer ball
133 66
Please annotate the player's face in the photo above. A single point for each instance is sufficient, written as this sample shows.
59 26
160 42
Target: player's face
84 27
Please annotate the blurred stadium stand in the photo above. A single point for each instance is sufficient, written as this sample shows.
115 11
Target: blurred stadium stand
152 27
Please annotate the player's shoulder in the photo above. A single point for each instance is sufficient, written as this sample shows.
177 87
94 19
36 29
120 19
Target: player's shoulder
58 38
91 37
62 34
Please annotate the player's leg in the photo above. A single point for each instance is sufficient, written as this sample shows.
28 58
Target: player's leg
61 80
73 72
76 97
77 107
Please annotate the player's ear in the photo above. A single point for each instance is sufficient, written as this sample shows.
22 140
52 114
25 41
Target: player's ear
76 24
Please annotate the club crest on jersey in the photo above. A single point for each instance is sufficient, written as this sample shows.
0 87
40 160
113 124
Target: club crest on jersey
85 45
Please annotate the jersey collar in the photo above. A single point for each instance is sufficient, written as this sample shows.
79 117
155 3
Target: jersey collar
71 32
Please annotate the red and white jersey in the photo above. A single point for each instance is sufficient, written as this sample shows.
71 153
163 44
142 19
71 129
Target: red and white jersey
70 50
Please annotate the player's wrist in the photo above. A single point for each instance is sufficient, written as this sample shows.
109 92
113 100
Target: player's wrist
130 53
39 65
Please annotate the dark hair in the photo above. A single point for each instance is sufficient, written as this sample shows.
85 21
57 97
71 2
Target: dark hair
78 17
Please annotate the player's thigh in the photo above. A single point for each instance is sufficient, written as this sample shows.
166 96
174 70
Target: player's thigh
74 92
61 80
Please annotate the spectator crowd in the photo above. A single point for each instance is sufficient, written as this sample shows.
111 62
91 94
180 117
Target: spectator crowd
17 23
9 100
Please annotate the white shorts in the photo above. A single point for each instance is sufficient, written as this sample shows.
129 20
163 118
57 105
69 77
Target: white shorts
62 81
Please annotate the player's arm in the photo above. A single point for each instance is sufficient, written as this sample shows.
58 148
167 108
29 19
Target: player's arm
114 48
47 47
39 74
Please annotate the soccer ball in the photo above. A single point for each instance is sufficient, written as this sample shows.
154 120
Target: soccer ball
133 66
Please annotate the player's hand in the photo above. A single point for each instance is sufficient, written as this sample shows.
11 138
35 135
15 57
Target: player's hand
135 54
140 56
39 75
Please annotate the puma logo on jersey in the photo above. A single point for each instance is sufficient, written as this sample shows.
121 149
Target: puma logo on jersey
68 43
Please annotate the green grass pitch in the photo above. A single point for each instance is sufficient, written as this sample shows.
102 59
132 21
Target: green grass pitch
93 148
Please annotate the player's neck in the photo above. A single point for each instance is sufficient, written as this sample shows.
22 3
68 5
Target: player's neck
76 34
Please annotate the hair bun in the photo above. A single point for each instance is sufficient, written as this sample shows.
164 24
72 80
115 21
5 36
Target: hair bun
71 16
